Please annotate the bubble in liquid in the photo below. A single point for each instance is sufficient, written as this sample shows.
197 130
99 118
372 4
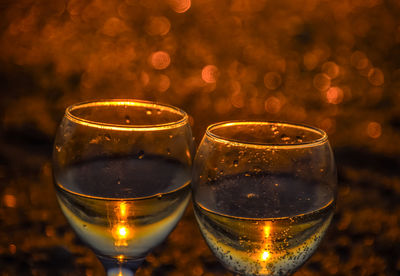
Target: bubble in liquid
168 151
159 196
299 139
251 195
140 154
107 137
58 148
148 112
127 119
235 163
118 181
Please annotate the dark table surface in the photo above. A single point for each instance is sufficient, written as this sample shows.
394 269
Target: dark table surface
332 64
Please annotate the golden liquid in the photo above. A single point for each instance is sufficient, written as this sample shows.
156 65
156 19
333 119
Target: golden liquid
263 246
128 228
118 227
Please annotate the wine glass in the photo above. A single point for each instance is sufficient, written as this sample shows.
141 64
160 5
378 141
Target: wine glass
264 194
122 170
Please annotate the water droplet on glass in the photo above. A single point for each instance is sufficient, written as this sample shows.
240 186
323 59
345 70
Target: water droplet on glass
107 137
127 119
140 154
235 163
285 138
148 112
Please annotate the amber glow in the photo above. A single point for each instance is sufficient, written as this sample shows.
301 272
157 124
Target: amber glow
122 232
265 255
267 231
122 208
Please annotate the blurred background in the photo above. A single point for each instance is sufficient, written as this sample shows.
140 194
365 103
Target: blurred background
331 64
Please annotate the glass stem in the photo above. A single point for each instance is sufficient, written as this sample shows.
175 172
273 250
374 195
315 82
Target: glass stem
115 267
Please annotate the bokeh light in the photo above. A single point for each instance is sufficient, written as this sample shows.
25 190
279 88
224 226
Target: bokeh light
272 80
10 200
376 77
322 82
272 105
334 95
180 6
160 60
158 25
374 130
210 74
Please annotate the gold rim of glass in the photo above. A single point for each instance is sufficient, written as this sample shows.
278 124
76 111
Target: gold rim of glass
126 102
309 143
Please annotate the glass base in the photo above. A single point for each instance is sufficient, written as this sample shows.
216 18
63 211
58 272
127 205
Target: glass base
115 267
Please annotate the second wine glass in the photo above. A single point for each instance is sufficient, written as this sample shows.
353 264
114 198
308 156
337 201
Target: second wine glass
122 170
264 194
